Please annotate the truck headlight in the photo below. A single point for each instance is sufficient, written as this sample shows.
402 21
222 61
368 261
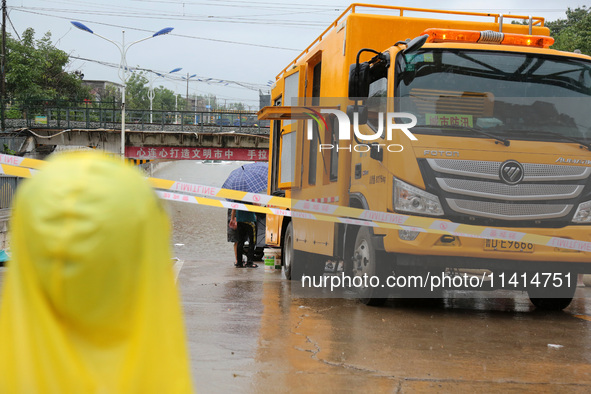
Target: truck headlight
411 199
583 214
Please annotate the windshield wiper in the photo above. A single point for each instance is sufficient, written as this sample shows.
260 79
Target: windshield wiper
544 132
480 63
498 140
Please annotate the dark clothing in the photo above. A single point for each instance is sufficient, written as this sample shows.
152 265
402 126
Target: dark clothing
232 234
246 232
245 216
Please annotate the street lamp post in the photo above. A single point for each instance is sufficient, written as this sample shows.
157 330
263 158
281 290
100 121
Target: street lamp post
187 79
123 70
176 108
151 89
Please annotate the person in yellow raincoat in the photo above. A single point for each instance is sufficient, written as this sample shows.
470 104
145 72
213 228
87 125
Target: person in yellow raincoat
89 303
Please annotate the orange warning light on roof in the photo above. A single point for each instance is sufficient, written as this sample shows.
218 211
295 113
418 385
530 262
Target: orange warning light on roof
487 37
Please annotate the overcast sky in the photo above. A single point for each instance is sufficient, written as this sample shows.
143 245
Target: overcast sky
240 45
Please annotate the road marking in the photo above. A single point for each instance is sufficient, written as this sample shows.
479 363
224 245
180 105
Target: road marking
178 265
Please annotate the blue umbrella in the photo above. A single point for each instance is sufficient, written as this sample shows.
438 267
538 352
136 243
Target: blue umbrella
250 178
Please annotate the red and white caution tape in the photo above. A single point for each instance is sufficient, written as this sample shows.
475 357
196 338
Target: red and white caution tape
212 196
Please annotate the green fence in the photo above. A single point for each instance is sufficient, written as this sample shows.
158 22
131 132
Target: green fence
93 115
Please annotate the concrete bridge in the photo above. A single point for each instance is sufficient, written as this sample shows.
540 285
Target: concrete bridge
164 145
144 141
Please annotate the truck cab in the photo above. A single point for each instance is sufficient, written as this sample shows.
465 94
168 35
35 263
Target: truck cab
501 148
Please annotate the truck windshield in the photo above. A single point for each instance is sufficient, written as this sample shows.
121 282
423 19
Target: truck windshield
513 95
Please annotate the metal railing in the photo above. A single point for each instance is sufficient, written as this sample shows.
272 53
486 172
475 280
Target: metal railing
93 115
8 185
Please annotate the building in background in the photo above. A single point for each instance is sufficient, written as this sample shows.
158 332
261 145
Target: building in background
104 90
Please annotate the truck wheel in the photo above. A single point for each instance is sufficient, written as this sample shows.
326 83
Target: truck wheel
551 304
289 255
553 298
364 263
315 264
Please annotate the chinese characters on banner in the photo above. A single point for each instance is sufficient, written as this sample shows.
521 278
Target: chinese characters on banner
449 120
229 154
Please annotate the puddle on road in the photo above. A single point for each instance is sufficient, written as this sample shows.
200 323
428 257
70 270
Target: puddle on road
199 232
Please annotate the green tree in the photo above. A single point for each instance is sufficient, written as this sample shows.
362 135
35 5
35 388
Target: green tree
236 106
166 99
109 95
136 92
35 69
136 96
574 32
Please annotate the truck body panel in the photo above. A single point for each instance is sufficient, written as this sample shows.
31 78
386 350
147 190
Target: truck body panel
460 168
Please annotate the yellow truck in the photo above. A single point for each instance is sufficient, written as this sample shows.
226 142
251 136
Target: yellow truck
496 133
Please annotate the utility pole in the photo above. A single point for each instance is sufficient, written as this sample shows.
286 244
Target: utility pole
3 69
187 108
187 95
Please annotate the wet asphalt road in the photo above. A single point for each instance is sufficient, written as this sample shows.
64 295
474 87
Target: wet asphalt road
247 334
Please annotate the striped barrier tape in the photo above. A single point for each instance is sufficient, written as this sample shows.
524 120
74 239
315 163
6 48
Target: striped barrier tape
179 197
6 169
319 211
378 219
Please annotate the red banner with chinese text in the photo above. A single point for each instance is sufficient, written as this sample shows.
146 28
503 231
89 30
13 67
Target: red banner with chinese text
171 153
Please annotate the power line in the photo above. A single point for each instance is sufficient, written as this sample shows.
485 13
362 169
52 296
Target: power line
177 17
170 34
143 12
177 78
251 4
13 29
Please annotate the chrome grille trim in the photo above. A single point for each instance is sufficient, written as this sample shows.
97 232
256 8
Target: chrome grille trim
504 211
501 191
557 172
478 169
490 170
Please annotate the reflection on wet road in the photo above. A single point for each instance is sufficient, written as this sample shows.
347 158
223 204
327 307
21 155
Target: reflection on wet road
247 334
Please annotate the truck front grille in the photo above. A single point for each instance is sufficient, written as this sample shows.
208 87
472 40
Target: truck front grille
504 211
501 191
475 189
490 170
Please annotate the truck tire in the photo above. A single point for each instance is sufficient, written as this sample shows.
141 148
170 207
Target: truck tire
364 263
315 264
290 270
560 298
550 304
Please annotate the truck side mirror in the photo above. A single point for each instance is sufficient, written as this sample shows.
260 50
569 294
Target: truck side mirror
415 44
358 80
376 153
361 110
